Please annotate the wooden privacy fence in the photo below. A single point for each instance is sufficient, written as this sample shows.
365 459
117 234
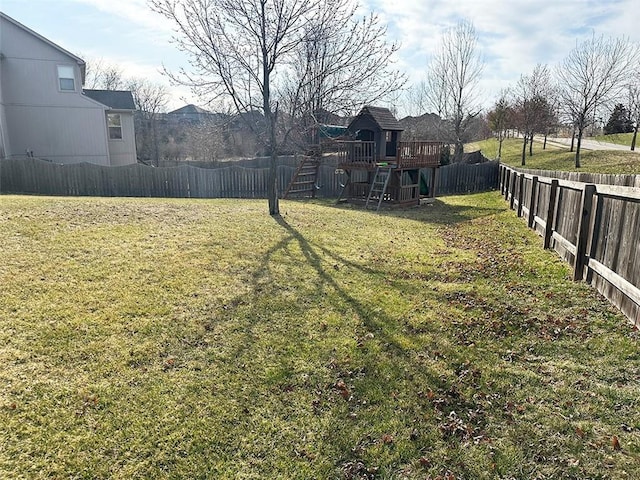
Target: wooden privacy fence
33 176
464 178
242 179
594 227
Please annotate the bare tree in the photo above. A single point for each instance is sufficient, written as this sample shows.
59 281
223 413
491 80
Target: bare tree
103 76
453 80
278 57
633 91
343 63
206 141
236 49
500 118
591 76
150 100
533 105
414 101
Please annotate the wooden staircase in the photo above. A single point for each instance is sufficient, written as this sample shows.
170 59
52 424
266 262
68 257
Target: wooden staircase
379 185
304 182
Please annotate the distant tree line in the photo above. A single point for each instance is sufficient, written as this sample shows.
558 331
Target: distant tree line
598 76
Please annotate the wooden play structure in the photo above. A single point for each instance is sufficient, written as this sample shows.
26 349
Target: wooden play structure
380 169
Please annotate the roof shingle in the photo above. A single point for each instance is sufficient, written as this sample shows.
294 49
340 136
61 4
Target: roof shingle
383 117
114 99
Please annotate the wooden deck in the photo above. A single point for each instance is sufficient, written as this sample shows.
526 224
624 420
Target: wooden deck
360 155
418 155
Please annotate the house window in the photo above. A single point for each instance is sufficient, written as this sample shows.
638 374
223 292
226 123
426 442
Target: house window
66 78
387 136
115 126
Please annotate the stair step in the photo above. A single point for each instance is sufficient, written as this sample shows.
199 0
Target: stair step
293 192
304 180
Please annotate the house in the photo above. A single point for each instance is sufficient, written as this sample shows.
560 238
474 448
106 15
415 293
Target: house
44 111
189 114
120 123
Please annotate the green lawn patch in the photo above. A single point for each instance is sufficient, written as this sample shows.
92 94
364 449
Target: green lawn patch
155 338
619 138
560 158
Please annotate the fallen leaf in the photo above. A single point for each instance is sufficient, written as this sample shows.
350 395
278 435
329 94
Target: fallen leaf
580 432
615 443
342 388
387 439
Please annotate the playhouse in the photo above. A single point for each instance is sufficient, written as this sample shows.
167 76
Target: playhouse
379 167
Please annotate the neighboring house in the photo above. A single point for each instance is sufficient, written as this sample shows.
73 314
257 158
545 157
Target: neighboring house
190 114
43 111
122 141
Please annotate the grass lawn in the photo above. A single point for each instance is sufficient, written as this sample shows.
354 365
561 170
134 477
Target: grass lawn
619 138
155 338
558 158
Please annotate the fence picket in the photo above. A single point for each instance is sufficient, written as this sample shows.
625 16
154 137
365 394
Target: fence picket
593 226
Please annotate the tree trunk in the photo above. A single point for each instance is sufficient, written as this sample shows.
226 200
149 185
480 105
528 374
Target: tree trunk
578 148
531 145
270 117
573 138
154 139
459 150
544 144
500 147
633 139
524 148
274 206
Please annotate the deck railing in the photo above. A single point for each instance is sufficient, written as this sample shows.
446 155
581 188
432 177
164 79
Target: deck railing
357 154
418 154
409 155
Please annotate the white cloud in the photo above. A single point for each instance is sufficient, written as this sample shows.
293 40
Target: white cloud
514 35
135 11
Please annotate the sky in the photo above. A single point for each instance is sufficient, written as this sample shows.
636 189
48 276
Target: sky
514 35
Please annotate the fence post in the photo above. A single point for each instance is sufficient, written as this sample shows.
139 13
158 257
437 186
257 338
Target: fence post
520 194
434 182
594 235
583 231
507 182
532 202
514 177
551 209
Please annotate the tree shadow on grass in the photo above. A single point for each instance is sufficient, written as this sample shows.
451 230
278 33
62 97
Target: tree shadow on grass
375 319
388 331
390 361
437 212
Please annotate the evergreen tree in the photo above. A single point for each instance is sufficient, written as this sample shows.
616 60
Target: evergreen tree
620 121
